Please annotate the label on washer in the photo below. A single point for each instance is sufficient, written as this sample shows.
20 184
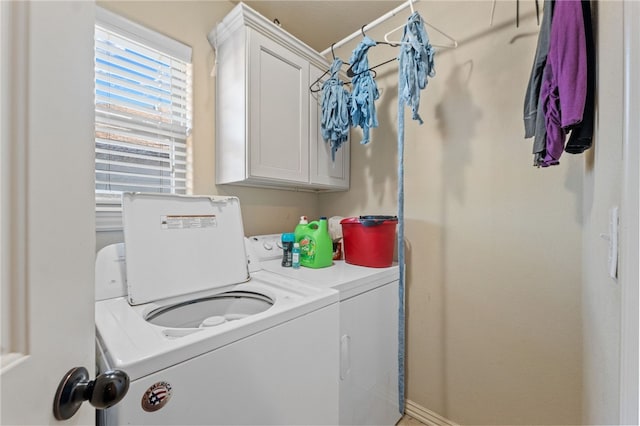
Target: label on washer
156 396
188 221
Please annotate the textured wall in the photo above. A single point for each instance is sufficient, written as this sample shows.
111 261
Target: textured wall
493 244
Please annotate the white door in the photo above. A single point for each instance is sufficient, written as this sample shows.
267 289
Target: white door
629 221
47 213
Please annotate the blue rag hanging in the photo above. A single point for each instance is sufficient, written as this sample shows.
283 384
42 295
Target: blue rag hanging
364 90
416 64
335 110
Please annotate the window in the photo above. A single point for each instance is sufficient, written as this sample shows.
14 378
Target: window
143 114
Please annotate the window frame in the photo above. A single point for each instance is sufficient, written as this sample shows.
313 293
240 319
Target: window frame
109 209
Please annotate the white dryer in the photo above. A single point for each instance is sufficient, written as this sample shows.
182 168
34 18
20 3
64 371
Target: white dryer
368 330
203 340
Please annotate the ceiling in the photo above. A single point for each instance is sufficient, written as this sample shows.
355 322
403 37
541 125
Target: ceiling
321 23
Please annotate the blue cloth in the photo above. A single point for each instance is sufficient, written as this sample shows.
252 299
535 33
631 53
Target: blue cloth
401 265
335 110
364 90
416 63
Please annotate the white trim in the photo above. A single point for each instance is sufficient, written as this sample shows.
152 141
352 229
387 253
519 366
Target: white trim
243 15
135 31
629 229
426 416
14 82
109 24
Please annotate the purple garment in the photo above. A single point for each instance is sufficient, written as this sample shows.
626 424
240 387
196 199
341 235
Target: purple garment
582 134
564 81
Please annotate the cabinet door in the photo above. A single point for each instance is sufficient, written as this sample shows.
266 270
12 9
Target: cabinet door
278 112
369 357
325 171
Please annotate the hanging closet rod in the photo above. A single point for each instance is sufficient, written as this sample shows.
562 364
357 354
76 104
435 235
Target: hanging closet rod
370 25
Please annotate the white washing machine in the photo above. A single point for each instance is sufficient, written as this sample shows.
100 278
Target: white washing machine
368 333
203 340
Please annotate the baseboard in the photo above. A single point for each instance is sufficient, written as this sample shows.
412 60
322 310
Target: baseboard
426 416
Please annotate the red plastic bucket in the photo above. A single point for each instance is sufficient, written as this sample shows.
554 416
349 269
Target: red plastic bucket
369 240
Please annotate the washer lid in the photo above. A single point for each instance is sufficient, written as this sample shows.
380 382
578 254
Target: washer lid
179 244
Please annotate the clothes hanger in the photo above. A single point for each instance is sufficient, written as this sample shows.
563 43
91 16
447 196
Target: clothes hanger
453 45
350 72
493 9
316 83
318 88
378 42
372 69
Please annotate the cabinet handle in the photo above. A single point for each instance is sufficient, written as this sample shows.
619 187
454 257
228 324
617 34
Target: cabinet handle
345 356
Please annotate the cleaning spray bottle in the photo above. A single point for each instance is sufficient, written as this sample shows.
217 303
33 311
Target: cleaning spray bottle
295 256
316 247
300 228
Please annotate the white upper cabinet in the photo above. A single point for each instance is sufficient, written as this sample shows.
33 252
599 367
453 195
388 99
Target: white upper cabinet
267 119
278 111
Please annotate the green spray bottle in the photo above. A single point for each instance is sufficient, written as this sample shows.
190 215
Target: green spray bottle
316 247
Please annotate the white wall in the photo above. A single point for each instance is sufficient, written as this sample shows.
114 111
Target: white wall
603 174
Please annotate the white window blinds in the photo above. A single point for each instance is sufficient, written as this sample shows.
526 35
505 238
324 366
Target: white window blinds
143 114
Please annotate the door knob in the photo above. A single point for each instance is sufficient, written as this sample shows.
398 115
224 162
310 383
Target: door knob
75 388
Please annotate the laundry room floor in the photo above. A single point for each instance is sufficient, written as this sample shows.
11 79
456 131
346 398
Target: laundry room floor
407 420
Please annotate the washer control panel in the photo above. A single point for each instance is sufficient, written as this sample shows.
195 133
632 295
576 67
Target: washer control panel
264 247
